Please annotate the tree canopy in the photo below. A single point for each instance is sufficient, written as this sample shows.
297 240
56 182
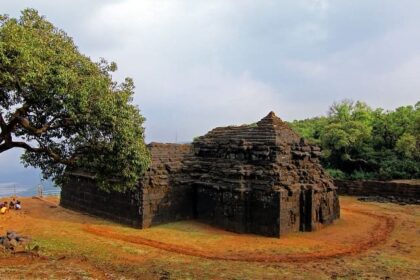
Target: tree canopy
362 143
64 110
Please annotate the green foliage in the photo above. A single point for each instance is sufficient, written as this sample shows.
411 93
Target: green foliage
361 175
364 143
406 145
310 129
64 109
336 173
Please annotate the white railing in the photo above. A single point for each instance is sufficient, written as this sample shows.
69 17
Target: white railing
25 190
41 191
12 189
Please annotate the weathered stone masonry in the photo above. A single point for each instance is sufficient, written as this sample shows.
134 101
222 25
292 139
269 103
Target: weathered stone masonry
399 191
165 193
82 195
160 197
261 178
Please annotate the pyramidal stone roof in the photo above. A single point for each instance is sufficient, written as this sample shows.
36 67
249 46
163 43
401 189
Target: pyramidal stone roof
271 119
264 155
272 123
269 129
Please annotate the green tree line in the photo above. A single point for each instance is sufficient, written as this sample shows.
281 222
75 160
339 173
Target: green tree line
360 142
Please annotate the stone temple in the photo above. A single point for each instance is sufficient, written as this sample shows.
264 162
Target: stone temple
260 178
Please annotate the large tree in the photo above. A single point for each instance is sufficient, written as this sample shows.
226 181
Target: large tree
64 110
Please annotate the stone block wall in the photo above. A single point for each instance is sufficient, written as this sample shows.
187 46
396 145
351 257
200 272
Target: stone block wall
264 209
290 212
408 191
222 208
165 192
163 195
324 208
81 194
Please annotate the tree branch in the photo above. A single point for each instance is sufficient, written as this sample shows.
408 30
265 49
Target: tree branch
53 155
2 122
3 127
65 122
24 122
16 116
20 117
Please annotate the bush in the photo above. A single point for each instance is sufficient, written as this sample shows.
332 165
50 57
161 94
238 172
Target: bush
336 173
362 175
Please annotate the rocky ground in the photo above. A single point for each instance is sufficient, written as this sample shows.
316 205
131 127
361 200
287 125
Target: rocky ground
371 241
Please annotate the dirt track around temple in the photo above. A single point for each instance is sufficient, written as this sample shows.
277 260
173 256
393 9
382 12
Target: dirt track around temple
377 236
369 241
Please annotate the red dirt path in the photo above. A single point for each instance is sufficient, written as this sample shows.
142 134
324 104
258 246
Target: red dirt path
377 236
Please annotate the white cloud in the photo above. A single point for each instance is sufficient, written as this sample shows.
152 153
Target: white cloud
320 5
205 98
400 86
314 70
174 52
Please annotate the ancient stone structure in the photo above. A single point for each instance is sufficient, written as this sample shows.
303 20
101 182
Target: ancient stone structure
260 178
165 192
81 194
398 191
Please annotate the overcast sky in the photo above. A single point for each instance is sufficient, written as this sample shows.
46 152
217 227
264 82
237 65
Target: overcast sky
202 64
